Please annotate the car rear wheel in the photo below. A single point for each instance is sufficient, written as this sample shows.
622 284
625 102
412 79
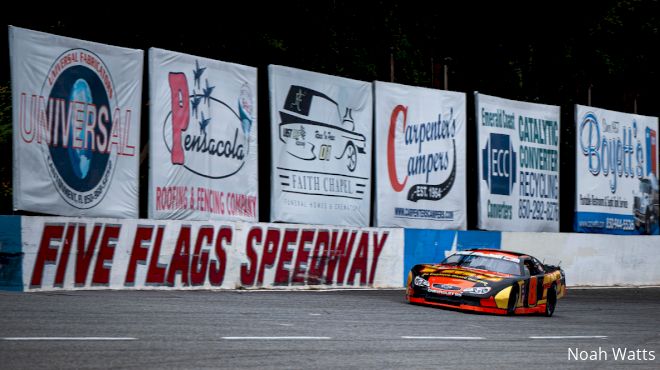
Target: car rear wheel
351 154
513 300
551 303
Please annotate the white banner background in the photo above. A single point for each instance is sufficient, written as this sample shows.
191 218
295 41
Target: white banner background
76 112
70 253
203 149
610 176
321 143
420 172
518 164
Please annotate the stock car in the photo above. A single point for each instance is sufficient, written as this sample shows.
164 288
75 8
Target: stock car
488 280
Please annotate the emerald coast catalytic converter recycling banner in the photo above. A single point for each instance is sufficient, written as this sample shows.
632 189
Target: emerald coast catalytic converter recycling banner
321 148
203 138
616 172
518 165
76 112
420 157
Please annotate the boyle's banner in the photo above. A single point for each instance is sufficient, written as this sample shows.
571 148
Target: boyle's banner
203 138
69 253
321 145
76 112
420 157
616 172
518 165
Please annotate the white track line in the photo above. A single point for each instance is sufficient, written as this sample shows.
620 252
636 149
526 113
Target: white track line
571 337
67 338
276 338
443 338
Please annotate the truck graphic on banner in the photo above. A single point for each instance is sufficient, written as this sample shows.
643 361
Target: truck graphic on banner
309 139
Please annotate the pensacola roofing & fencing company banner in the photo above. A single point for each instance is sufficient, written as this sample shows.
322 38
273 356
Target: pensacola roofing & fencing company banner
203 138
51 253
616 172
420 157
518 165
76 111
321 129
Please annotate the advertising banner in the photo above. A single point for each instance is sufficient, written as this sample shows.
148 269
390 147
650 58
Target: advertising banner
69 253
420 157
616 172
321 144
203 138
76 111
518 165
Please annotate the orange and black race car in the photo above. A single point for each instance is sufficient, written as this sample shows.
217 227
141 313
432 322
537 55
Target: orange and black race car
488 280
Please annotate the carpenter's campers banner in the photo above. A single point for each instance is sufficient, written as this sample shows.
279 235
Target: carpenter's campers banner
518 165
203 138
76 111
321 145
420 157
616 172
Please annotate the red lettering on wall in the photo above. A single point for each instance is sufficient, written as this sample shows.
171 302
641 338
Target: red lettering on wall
319 258
378 247
46 254
298 276
139 252
360 261
217 269
249 269
339 254
200 258
156 272
180 258
85 252
180 113
105 255
64 255
270 248
286 256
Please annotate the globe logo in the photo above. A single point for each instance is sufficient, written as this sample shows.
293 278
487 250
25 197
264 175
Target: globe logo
80 157
80 114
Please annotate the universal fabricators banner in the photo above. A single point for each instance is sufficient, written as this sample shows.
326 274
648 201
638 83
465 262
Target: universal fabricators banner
518 165
420 157
616 172
70 253
321 145
203 138
76 111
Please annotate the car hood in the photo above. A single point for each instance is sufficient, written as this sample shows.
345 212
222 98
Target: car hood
456 277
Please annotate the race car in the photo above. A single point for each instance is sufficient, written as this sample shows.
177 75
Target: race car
488 280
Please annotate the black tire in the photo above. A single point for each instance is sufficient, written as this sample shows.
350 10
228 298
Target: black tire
351 154
513 299
551 303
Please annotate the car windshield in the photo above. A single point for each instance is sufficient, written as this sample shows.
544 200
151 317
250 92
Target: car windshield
484 263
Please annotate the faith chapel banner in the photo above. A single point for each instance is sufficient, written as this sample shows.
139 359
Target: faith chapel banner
321 147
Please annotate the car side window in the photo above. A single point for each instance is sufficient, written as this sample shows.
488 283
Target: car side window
533 267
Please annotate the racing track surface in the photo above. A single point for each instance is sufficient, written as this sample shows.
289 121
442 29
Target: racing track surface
335 329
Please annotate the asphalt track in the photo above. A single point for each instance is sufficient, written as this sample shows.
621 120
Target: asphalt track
317 329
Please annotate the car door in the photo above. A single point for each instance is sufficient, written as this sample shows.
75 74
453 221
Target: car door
533 282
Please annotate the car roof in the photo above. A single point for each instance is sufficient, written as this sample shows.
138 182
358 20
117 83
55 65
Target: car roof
499 252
